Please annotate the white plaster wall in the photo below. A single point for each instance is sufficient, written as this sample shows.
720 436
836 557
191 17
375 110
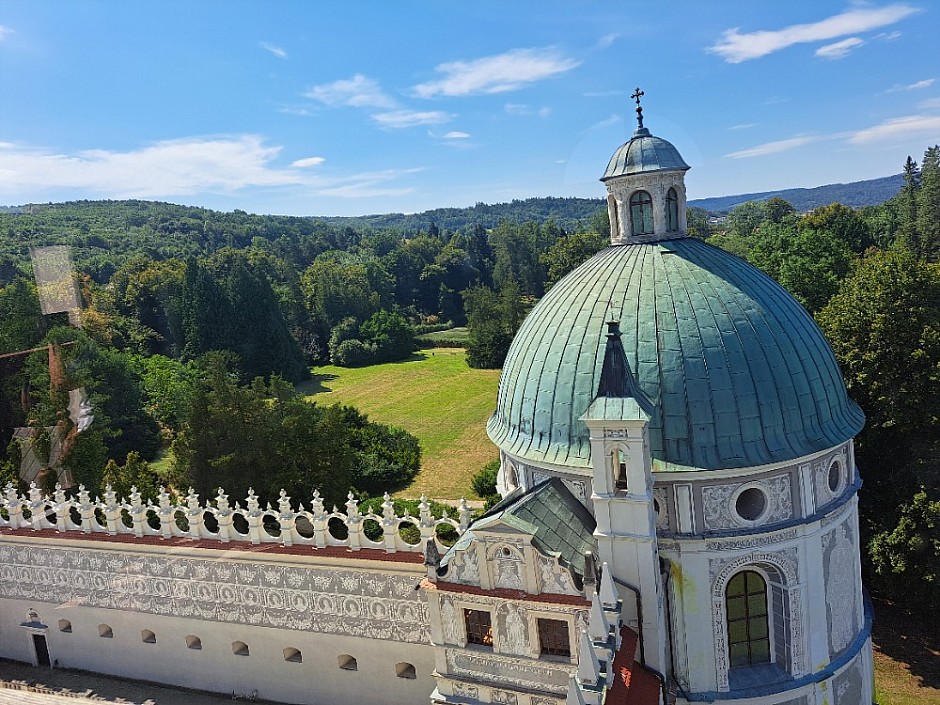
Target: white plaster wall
694 571
318 680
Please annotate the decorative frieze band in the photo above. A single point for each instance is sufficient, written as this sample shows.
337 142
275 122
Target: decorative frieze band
333 601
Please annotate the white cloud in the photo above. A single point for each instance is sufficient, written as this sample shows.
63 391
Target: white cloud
607 40
274 49
736 47
839 50
166 168
496 74
523 109
926 83
308 162
174 168
929 104
771 148
602 94
369 185
743 126
5 32
295 110
606 122
356 92
898 127
457 135
397 119
888 36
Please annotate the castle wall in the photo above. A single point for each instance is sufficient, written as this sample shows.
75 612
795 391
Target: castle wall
322 607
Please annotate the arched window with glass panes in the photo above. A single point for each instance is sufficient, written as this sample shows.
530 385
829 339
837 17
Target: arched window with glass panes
641 213
672 210
748 620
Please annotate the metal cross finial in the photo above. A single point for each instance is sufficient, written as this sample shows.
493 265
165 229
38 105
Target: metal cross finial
637 94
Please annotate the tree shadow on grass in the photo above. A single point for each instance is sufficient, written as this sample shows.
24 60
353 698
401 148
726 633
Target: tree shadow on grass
316 384
912 641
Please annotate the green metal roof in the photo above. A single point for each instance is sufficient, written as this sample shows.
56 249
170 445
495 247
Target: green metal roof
644 153
738 372
559 524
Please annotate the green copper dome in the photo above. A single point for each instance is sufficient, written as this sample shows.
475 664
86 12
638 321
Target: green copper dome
644 153
737 371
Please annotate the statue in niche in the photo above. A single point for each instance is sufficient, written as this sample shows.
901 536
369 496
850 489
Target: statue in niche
515 635
449 618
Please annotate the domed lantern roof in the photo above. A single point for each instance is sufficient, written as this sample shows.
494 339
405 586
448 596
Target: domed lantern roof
736 371
644 153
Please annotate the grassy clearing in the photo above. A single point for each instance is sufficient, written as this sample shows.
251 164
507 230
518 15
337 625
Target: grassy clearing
461 334
907 658
433 395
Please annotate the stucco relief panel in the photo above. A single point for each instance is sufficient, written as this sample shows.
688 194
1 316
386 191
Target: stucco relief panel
464 566
839 571
555 578
508 671
718 503
661 495
331 601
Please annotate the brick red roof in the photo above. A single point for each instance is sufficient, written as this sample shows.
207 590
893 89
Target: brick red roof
633 684
370 554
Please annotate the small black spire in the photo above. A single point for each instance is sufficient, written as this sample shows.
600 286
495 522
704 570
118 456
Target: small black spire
637 94
615 375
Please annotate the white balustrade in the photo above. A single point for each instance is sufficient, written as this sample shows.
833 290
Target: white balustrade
246 522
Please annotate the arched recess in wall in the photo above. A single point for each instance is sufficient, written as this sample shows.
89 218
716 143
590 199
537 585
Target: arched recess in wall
240 648
148 637
405 670
672 210
293 655
618 466
193 642
641 213
105 631
778 572
65 626
613 215
347 662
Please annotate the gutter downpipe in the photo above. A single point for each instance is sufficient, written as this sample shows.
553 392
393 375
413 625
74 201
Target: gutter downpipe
639 618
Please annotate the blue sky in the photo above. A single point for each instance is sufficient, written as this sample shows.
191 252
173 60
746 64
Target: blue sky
347 108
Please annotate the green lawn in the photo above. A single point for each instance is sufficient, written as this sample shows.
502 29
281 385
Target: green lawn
461 334
907 658
435 396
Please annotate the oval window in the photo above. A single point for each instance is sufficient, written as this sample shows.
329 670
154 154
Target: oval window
835 476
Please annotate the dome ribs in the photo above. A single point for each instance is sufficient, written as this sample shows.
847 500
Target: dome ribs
739 373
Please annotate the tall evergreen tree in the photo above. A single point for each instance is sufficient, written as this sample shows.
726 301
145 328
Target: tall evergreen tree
928 205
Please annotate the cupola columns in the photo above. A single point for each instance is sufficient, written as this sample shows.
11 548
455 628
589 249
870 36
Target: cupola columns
645 182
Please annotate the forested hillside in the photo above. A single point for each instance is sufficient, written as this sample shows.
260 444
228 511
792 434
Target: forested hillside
195 323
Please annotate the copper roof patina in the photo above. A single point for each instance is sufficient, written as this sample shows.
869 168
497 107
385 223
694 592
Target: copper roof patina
644 153
738 373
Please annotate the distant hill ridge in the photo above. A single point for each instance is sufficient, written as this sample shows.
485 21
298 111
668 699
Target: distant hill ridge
855 194
568 213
